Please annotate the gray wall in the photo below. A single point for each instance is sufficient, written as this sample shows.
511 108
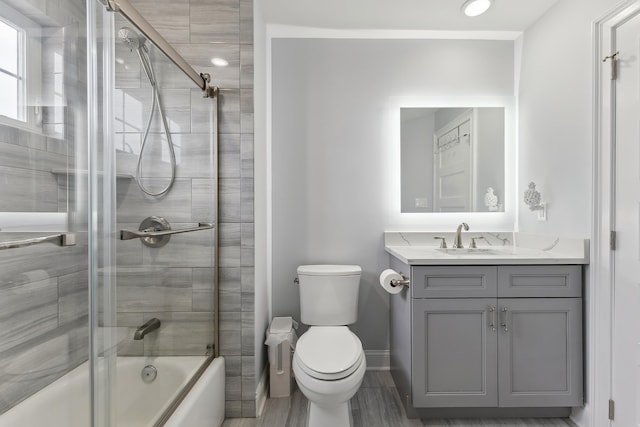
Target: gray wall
416 158
201 30
330 99
43 288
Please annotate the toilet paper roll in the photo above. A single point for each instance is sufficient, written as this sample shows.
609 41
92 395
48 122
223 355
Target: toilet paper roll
385 281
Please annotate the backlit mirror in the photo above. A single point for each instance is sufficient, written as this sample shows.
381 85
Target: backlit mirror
452 159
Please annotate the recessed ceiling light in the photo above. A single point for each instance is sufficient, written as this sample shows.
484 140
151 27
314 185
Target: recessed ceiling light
219 62
475 7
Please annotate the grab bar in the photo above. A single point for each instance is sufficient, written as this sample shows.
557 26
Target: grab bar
150 232
66 239
156 231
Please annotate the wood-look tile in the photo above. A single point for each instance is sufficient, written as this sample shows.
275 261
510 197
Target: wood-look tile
214 22
229 289
246 156
137 106
229 200
229 150
16 156
247 245
246 21
246 200
169 17
246 66
229 111
199 56
73 294
202 200
241 422
144 289
181 334
203 293
27 311
229 245
194 249
25 190
23 138
134 206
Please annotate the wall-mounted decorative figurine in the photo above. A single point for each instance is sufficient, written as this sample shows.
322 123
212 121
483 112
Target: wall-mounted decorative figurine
533 199
491 200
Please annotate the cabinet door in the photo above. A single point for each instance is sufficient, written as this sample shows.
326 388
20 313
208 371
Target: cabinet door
454 353
540 352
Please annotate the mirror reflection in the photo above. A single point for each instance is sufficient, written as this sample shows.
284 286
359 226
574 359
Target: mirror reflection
452 159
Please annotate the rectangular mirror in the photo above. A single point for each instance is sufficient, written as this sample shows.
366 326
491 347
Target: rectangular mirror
452 159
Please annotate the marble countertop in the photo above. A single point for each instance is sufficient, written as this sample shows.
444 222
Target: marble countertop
417 248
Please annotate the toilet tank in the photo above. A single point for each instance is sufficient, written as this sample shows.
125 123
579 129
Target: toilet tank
329 294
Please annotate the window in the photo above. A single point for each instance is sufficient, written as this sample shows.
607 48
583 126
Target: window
12 79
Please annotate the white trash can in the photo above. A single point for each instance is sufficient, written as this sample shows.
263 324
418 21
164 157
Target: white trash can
281 339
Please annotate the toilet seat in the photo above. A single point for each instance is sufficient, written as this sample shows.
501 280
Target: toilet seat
329 352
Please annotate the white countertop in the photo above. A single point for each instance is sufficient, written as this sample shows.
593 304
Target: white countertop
420 249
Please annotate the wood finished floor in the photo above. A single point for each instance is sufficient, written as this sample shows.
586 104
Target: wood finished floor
376 404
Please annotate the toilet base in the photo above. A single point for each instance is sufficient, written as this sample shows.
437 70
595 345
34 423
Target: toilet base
335 416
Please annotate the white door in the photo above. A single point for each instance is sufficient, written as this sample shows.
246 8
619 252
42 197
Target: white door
452 159
626 258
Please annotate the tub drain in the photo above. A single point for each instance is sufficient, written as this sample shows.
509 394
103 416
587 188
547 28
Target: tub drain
149 373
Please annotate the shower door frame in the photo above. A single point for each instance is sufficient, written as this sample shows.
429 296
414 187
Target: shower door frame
105 228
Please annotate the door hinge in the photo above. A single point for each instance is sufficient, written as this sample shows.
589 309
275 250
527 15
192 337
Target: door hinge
612 409
614 65
612 240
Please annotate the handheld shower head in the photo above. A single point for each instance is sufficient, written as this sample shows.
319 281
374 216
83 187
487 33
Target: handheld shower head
132 39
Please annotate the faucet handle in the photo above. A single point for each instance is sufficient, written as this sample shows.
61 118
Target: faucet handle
443 242
473 245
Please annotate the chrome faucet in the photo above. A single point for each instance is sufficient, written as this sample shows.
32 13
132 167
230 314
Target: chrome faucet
457 242
143 330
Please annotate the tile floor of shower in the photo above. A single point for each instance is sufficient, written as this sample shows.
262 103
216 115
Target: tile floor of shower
376 404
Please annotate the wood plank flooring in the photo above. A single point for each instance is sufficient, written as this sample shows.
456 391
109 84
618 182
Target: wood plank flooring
376 404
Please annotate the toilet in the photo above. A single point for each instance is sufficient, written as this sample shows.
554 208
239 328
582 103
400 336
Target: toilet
328 362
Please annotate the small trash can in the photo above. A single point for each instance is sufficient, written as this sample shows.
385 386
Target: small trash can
281 339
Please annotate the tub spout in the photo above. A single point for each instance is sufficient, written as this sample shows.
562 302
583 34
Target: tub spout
143 330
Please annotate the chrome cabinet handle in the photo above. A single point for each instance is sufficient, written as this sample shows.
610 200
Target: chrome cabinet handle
492 321
505 322
65 239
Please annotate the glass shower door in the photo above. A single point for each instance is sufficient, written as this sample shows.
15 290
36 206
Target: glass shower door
153 187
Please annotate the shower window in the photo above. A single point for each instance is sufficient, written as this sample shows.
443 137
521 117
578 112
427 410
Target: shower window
20 68
11 71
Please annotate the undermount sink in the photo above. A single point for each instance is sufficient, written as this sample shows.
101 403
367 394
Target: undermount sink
467 251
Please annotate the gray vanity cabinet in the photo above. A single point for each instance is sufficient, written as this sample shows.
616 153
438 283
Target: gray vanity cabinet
473 348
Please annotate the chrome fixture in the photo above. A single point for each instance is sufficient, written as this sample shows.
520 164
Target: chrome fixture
473 245
138 43
149 374
533 199
156 231
475 7
443 242
202 80
405 281
148 327
65 239
457 243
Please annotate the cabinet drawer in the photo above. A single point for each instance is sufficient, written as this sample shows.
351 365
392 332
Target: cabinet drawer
540 281
454 282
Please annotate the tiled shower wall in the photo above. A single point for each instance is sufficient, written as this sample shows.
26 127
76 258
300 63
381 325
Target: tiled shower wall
43 288
201 30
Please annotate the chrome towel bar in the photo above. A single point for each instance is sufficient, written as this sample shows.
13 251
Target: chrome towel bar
65 239
155 231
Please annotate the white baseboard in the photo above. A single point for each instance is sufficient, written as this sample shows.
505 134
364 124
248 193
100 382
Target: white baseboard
261 392
378 360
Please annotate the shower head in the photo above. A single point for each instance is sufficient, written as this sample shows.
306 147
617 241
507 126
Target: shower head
132 39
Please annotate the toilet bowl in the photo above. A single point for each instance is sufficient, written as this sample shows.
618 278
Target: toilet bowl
329 366
329 362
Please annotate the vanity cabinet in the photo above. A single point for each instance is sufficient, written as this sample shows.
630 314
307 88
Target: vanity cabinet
496 336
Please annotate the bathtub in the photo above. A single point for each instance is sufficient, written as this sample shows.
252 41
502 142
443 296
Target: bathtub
65 402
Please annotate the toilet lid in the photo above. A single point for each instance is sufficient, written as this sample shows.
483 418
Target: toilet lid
329 352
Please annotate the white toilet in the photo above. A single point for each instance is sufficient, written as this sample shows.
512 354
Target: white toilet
329 362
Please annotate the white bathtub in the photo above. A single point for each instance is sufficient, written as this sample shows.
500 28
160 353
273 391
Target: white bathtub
65 402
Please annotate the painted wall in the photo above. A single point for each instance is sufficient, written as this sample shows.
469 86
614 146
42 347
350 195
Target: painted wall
330 151
555 109
416 158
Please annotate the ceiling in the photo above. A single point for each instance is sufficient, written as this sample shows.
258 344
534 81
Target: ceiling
442 15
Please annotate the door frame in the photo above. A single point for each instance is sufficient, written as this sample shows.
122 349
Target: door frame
600 291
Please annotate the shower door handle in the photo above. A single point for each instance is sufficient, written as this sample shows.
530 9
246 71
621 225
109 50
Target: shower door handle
130 234
155 231
67 239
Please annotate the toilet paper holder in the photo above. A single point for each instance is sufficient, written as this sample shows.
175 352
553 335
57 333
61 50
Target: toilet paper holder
404 282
